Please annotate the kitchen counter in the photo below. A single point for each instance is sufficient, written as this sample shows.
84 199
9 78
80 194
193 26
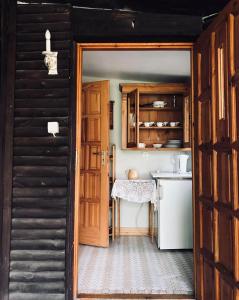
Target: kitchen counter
172 175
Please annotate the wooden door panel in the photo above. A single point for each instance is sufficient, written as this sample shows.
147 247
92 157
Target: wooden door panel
208 281
235 112
235 180
221 81
207 228
205 61
235 43
225 241
204 122
236 249
205 174
203 71
94 198
224 177
89 218
93 129
92 187
226 290
94 220
83 130
82 190
216 117
94 157
83 157
93 102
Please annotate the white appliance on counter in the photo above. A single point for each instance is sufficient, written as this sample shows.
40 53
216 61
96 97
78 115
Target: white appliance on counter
174 215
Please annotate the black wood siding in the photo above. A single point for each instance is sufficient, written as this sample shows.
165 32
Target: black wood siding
40 194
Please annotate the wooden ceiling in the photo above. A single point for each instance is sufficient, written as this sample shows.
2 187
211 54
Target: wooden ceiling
182 7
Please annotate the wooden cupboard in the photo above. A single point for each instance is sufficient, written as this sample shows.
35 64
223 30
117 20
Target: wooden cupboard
138 107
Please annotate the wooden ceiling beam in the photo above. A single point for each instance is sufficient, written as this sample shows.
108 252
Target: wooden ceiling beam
188 7
94 25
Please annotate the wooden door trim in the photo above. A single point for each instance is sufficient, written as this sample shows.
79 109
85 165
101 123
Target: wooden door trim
112 46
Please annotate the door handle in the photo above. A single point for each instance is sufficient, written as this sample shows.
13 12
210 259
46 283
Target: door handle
103 157
96 153
103 154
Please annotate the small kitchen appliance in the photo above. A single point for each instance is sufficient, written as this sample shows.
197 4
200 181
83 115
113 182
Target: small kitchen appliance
181 163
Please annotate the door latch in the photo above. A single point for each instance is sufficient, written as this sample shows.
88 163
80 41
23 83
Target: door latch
103 157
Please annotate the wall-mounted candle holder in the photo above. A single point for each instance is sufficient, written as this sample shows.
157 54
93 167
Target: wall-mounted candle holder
50 59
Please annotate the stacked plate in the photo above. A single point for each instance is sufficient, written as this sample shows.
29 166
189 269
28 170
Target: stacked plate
173 144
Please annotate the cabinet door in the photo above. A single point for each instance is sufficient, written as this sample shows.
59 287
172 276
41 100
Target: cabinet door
132 121
216 162
187 121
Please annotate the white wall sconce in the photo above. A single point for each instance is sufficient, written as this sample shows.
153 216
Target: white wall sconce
53 128
50 59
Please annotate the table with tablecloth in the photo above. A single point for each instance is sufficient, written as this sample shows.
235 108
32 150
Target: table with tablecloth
138 191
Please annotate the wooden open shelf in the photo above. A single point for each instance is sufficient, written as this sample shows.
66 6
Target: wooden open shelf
160 149
137 106
159 108
161 128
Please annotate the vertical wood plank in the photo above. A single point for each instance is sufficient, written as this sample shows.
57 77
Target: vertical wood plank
9 51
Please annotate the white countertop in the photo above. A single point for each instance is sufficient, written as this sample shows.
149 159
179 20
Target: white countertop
171 175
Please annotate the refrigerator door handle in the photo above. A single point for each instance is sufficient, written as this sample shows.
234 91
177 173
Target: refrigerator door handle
160 191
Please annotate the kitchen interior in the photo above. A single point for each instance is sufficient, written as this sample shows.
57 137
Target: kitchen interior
150 211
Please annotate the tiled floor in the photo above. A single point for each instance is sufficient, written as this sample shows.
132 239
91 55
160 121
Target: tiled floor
134 265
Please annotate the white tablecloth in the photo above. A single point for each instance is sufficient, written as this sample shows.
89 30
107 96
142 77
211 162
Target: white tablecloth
138 191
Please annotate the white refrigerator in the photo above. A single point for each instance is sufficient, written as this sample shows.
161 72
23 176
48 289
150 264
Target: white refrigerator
175 221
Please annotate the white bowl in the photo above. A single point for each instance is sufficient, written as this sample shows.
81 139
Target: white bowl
157 146
160 124
160 104
174 124
148 124
141 145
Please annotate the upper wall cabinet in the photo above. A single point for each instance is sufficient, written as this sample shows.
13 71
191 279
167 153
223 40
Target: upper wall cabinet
156 117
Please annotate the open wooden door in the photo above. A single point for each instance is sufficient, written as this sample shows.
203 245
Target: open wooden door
216 156
94 173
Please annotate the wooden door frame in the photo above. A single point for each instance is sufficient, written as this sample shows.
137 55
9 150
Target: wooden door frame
79 59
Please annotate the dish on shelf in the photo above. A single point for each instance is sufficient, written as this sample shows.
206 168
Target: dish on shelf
160 104
146 105
157 146
172 146
174 142
148 124
160 124
174 124
141 145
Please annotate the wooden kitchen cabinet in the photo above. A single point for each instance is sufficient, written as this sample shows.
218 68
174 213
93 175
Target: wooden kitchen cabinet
137 108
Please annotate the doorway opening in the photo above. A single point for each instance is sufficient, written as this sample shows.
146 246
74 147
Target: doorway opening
134 112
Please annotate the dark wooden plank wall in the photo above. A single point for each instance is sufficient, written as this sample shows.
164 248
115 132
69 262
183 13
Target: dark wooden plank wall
6 112
1 117
97 25
40 162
